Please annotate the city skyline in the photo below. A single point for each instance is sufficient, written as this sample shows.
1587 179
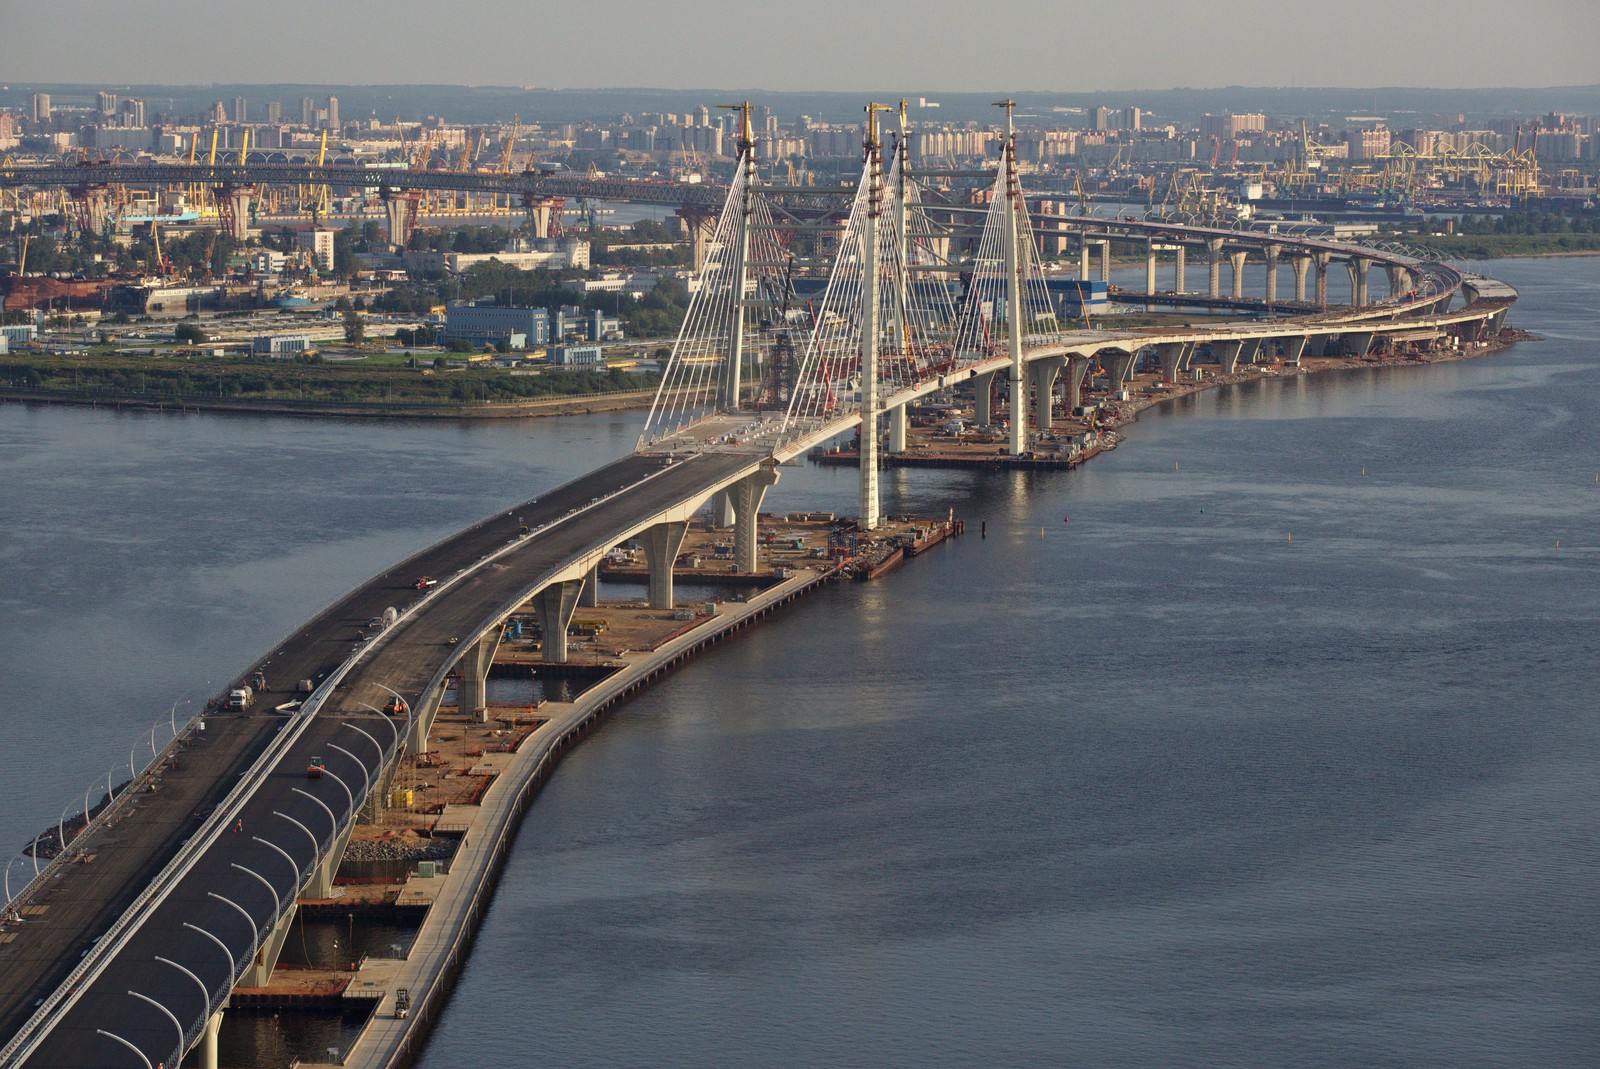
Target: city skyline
712 43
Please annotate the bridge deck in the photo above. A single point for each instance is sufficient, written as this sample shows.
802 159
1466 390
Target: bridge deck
406 662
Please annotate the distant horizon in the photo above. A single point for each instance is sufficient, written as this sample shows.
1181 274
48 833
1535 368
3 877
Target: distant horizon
483 104
1360 44
507 86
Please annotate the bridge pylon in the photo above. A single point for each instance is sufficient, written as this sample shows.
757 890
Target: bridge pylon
734 324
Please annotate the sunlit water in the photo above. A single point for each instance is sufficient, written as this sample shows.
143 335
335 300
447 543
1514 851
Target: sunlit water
1215 751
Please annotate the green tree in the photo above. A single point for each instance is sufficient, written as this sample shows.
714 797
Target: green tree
355 331
189 333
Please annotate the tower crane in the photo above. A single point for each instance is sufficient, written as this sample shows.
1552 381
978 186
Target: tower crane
510 144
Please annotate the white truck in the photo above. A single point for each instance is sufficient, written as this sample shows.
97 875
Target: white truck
241 697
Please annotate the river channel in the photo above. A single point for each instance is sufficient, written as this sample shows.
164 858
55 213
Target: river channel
1269 738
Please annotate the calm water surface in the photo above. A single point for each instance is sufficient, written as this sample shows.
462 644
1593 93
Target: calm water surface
1136 780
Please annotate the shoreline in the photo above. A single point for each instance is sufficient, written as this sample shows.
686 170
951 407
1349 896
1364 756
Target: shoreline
579 405
1128 411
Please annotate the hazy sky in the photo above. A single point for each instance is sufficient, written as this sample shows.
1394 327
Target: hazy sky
975 45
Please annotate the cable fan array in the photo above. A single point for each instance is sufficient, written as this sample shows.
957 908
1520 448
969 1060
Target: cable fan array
916 314
694 383
808 363
985 318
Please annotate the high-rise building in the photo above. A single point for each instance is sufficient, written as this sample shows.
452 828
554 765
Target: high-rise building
106 103
219 114
318 241
333 113
274 112
308 112
41 107
1368 144
240 110
133 112
1231 127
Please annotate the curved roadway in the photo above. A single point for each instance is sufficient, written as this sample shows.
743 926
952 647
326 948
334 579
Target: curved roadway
406 659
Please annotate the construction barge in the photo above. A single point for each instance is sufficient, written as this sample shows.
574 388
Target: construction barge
997 461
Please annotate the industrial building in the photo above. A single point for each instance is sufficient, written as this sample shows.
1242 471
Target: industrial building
486 323
570 321
1076 298
576 355
14 334
283 346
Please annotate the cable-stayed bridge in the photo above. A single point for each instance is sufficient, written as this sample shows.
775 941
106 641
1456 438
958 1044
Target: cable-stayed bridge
128 959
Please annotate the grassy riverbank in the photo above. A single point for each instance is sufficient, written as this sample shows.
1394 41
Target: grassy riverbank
285 385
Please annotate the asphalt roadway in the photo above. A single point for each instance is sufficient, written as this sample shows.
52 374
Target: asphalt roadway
344 733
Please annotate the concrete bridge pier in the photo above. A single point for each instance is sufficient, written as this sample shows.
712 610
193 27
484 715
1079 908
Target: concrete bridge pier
537 211
93 204
544 215
259 974
1177 270
983 399
400 214
321 885
475 664
661 545
1105 258
897 429
590 597
557 602
1150 266
1171 355
1322 259
1271 254
722 514
1214 267
1399 279
700 225
1077 368
1250 351
749 493
1359 343
235 203
1118 367
1358 267
416 740
1315 345
208 1041
1044 373
1292 350
1227 354
1301 265
1236 260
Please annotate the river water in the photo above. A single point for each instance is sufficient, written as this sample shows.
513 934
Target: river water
1267 739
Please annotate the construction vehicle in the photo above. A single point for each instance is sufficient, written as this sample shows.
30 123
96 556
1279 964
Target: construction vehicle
241 697
315 768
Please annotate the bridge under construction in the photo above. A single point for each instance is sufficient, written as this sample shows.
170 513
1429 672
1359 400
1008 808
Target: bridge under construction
125 948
